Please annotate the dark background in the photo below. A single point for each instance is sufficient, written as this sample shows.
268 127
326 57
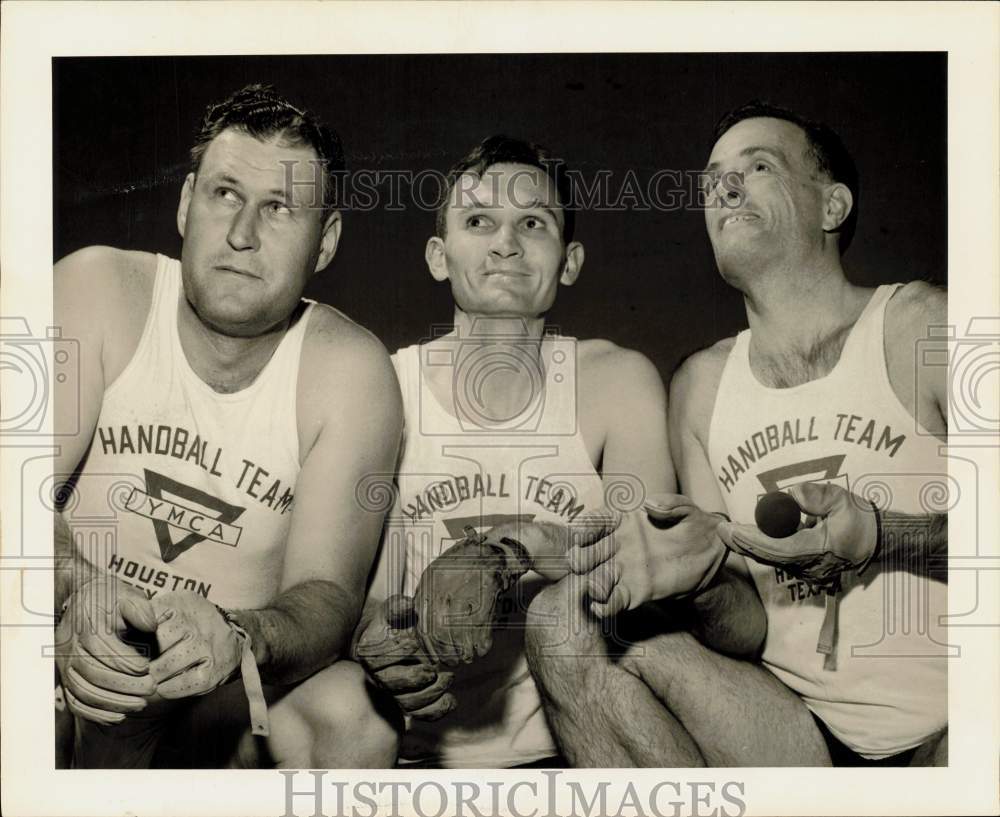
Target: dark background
123 127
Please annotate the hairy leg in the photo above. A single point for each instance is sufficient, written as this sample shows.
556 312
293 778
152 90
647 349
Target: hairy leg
666 701
933 752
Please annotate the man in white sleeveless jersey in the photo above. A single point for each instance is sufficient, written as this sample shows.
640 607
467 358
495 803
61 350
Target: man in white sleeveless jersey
508 423
823 398
224 423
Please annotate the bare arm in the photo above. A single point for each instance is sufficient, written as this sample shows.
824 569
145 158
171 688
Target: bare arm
916 345
333 538
730 615
916 348
915 543
626 406
97 307
104 679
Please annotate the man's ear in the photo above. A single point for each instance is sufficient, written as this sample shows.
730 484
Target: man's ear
573 264
435 258
329 240
184 203
839 203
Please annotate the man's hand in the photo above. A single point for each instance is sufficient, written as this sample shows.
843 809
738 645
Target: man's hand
104 678
199 650
392 654
843 536
549 544
457 595
669 549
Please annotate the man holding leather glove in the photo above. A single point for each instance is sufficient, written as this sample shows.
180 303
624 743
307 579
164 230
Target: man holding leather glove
809 651
408 642
511 430
212 398
104 678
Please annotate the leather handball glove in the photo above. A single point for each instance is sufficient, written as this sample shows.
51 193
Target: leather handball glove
844 535
104 679
393 656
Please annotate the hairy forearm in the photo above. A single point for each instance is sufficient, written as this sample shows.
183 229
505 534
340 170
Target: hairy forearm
546 543
72 570
729 616
304 629
914 543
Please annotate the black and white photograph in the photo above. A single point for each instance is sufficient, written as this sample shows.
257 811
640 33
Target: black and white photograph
503 425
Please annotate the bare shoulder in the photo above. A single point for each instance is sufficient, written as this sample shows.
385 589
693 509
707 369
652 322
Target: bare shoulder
700 372
103 271
605 364
914 307
911 315
337 343
608 372
696 382
342 362
102 295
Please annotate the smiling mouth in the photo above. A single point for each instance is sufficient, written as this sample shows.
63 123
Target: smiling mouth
739 217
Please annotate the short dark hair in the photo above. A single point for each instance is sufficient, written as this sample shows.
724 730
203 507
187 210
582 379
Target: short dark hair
506 150
826 149
260 111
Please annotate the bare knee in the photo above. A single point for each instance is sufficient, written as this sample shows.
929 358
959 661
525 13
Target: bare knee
662 657
333 720
563 643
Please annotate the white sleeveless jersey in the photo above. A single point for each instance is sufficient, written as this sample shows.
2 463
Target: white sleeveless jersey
452 477
185 488
885 690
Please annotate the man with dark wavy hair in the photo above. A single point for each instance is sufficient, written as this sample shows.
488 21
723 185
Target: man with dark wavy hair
241 417
812 650
511 432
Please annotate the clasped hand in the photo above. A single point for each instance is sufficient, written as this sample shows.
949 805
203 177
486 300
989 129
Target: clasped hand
670 548
105 678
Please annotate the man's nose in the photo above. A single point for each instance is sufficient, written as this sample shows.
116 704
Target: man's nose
728 189
244 230
505 243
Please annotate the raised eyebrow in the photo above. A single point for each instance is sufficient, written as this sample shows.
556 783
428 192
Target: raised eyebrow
224 178
775 152
231 181
537 205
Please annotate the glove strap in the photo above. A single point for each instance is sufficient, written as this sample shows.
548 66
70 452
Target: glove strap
878 541
518 551
827 643
517 560
251 677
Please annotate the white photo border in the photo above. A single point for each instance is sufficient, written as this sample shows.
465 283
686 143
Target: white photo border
34 33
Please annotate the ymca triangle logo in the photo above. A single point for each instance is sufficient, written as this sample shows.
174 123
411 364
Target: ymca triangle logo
176 508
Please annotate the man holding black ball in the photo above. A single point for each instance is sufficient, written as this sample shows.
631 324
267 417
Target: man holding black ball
844 421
